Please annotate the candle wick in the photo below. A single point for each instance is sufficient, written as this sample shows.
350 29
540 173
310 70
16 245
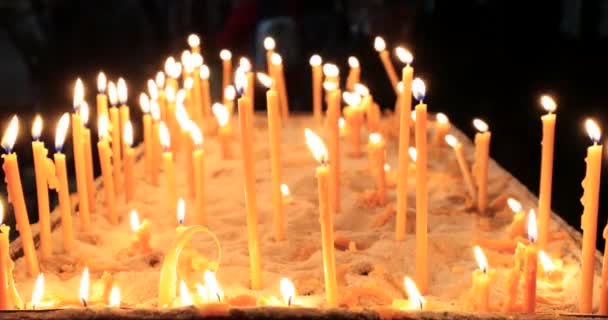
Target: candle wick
219 299
289 301
84 302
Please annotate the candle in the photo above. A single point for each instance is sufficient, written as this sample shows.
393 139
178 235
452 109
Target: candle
279 78
481 282
518 226
246 127
288 291
15 192
5 301
530 265
37 292
79 159
417 301
590 200
63 190
114 301
129 161
404 143
159 95
102 98
376 149
83 291
171 121
124 108
206 96
367 107
144 103
198 159
326 217
141 239
317 78
155 149
42 177
422 276
354 73
114 129
333 135
546 170
332 74
88 154
274 137
286 194
249 90
380 46
513 278
197 96
226 57
269 45
229 94
167 156
463 164
225 131
354 118
482 161
173 69
105 155
442 127
604 288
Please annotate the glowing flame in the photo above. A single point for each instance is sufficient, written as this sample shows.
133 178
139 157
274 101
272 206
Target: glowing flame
187 62
204 72
152 89
202 291
416 299
229 92
10 134
451 140
480 125
330 86
180 97
62 131
194 40
315 60
84 112
276 59
482 262
400 86
285 190
404 55
353 62
548 103
78 93
196 60
144 103
165 137
375 138
245 64
532 230
418 89
122 90
38 291
112 93
225 54
442 118
361 89
83 292
221 113
212 285
288 291
102 126
196 134
240 80
170 93
127 134
160 79
101 82
331 70
182 117
155 110
1 212
353 99
593 130
169 65
188 83
181 211
379 44
341 123
269 43
316 146
387 167
37 127
265 80
134 220
413 153
184 294
114 297
514 205
546 262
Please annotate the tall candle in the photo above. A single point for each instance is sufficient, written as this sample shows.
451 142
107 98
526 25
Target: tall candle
442 127
115 131
422 273
518 226
167 156
198 159
482 161
604 288
380 46
225 131
79 159
129 161
160 96
353 114
354 73
63 191
279 78
530 265
333 134
171 121
206 97
197 96
226 57
102 98
5 301
326 217
15 193
155 149
269 45
144 103
405 101
513 278
463 164
88 154
546 171
105 155
317 79
124 116
590 201
42 191
141 229
481 282
376 148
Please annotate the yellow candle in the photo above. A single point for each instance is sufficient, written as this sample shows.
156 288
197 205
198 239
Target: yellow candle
141 240
144 103
42 176
102 98
530 265
376 148
380 46
463 164
482 162
116 137
604 288
481 282
15 194
5 301
317 79
225 132
279 78
167 156
513 278
405 101
129 161
88 154
442 127
353 114
171 120
197 95
354 74
105 155
226 57
206 99
590 201
123 110
195 43
269 45
546 171
63 191
333 134
157 92
326 217
155 148
198 159
79 159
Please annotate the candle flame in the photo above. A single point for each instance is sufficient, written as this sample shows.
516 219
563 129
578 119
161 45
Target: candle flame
418 89
269 43
330 86
169 65
379 44
416 299
284 190
154 110
480 125
413 153
225 54
353 62
37 127
442 118
361 89
78 93
180 96
353 99
593 130
229 92
546 262
331 70
288 291
400 86
196 60
152 89
480 257
181 211
276 59
186 60
184 294
548 103
144 103
165 136
404 55
160 79
102 126
212 285
221 113
240 80
176 70
182 117
114 297
202 291
265 80
38 291
375 138
341 122
245 64
134 220
188 83
10 134
451 140
316 146
122 91
112 94
532 229
102 81
170 93
514 205
387 167
127 134
196 134
61 131
315 60
84 112
194 40
204 72
83 292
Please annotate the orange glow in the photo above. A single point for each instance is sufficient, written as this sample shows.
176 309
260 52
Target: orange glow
37 127
413 153
212 285
546 262
285 190
10 134
451 140
102 82
482 262
316 146
38 291
375 138
184 294
134 220
62 131
288 291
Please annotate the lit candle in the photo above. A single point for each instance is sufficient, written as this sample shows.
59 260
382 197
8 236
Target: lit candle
482 162
326 217
354 73
15 192
38 292
114 297
114 129
42 191
442 127
229 94
286 194
63 191
173 70
205 91
518 226
279 78
288 291
167 156
417 301
368 107
129 161
380 46
354 119
88 153
141 239
530 265
158 93
102 98
156 147
332 74
274 136
5 301
83 291
144 103
121 88
105 155
79 159
590 201
513 278
404 142
376 149
184 294
198 160
249 90
194 42
553 273
463 164
422 276
269 45
196 109
604 288
481 282
317 79
225 131
546 170
226 57
333 134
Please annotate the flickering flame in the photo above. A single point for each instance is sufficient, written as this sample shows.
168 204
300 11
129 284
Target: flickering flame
112 93
413 153
480 125
315 60
240 80
165 137
514 205
84 112
353 99
265 80
288 291
169 65
387 167
144 103
127 134
379 44
400 86
269 43
188 83
316 146
160 79
134 220
532 230
451 140
78 93
194 40
416 299
196 134
37 127
375 138
181 211
212 285
154 110
330 86
122 91
180 97
184 294
186 59
38 291
225 54
114 297
442 118
331 70
229 92
102 81
593 130
83 292
170 93
196 60
548 103
62 131
418 89
10 134
176 70
204 72
353 62
361 89
152 89
404 55
341 123
284 190
480 257
245 64
182 117
546 262
276 59
102 126
221 113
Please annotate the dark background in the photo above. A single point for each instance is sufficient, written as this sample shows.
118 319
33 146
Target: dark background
488 59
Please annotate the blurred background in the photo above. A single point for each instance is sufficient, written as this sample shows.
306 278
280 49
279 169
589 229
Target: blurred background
485 58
